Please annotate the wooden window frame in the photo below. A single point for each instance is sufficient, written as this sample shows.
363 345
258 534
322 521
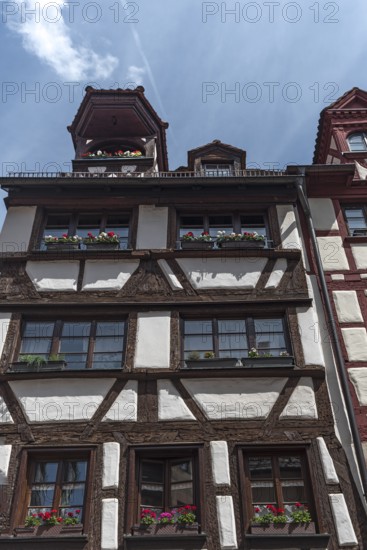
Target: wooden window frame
164 453
74 220
354 206
57 332
24 482
250 329
274 452
358 133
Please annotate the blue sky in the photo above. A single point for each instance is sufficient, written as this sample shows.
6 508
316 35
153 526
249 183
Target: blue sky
282 61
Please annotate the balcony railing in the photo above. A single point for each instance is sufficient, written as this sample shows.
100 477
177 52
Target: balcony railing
198 174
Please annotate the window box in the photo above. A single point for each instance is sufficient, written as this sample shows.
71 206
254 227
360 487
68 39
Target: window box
166 530
284 529
49 530
263 362
22 366
197 245
215 363
102 246
57 247
241 244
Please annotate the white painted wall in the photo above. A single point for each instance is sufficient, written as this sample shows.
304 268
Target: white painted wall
226 522
125 406
108 274
111 465
358 378
347 306
5 416
343 524
310 329
5 453
323 214
60 399
288 226
332 253
355 340
53 276
109 535
302 402
207 273
328 467
235 398
4 327
359 252
170 276
171 406
277 273
17 229
153 340
152 227
220 462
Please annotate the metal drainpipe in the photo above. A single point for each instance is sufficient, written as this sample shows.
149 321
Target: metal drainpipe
342 371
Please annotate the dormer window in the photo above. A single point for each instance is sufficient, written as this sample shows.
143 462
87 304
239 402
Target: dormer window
218 170
358 142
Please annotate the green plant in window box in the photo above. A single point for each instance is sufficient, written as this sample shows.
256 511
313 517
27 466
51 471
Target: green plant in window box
33 361
301 515
56 357
147 517
209 355
32 521
193 356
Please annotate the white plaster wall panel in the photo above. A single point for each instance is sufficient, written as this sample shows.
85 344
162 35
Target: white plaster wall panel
53 276
5 453
153 340
17 229
111 465
360 255
332 143
208 273
60 399
358 378
347 306
125 406
220 462
235 398
171 406
288 226
332 253
107 274
109 535
226 522
323 214
309 327
152 227
355 340
337 277
5 416
4 327
170 276
302 402
277 273
328 467
363 275
343 524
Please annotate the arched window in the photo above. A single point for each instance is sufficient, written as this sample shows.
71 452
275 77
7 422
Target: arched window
358 141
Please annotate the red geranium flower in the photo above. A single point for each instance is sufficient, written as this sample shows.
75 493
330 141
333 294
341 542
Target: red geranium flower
77 511
111 234
53 511
257 509
298 504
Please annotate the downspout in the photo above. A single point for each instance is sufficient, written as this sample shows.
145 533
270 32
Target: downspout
341 368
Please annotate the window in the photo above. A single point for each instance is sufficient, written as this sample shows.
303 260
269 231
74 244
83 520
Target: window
162 479
234 337
277 478
57 484
212 223
357 141
83 344
166 484
81 224
218 170
356 219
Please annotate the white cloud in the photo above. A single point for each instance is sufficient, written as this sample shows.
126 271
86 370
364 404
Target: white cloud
51 42
136 74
